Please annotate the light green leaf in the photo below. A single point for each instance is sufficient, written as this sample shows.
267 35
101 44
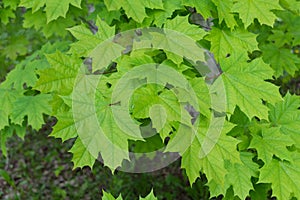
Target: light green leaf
133 9
81 155
182 25
204 7
13 4
239 175
284 177
161 16
286 116
150 196
281 59
158 116
214 147
226 42
245 86
60 76
258 9
65 127
272 142
224 12
33 107
6 14
54 8
7 101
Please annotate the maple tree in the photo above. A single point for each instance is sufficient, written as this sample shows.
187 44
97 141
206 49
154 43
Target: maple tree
201 73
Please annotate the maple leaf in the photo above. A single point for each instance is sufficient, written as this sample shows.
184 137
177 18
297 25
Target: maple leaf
17 46
54 8
286 116
224 12
134 9
281 59
13 4
150 196
292 5
204 7
239 175
8 97
158 116
258 9
81 155
169 42
38 20
87 40
182 25
65 127
272 142
25 71
226 42
160 16
208 151
98 127
287 173
33 107
107 196
61 76
290 26
6 14
245 86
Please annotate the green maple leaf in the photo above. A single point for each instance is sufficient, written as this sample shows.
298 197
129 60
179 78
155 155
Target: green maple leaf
239 175
291 25
224 12
38 20
258 9
25 71
154 4
108 196
17 46
158 116
182 25
226 42
150 196
134 9
20 75
6 14
286 116
97 126
160 16
281 59
169 42
13 4
54 8
280 38
220 148
162 109
283 176
65 127
33 107
272 142
292 5
204 7
245 86
61 76
87 40
8 97
81 155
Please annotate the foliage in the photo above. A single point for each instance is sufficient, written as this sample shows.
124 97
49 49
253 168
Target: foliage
112 89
